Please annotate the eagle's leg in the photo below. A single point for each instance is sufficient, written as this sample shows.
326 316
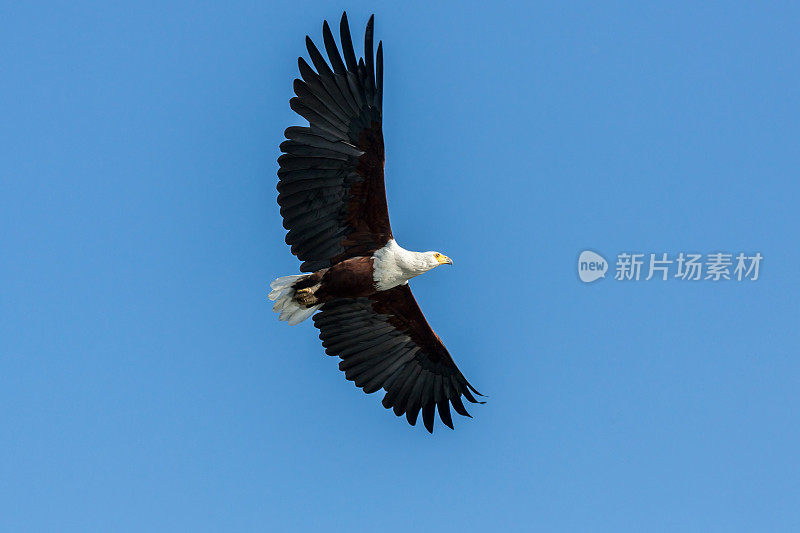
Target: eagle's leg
306 296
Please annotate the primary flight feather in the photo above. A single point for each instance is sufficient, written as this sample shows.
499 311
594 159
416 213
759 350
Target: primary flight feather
333 202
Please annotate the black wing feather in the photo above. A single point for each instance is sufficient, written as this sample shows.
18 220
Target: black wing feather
339 156
385 342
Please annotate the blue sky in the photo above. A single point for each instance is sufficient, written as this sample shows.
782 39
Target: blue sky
146 385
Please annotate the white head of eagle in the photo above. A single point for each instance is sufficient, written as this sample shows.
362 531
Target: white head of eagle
394 265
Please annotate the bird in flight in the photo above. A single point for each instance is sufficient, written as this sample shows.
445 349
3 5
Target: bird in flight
333 202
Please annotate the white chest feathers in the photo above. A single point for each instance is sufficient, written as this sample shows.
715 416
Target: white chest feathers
393 265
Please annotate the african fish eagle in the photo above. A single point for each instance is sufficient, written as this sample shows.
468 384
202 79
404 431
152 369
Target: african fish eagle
333 202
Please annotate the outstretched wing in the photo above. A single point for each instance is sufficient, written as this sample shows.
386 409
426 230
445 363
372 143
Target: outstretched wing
385 342
332 194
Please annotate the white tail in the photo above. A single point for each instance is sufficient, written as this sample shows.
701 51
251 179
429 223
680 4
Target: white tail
283 296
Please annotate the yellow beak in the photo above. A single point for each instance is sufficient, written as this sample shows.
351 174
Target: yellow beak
444 260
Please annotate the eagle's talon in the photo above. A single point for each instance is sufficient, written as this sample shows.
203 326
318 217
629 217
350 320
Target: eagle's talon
305 297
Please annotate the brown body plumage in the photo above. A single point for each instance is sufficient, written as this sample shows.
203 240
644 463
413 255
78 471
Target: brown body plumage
351 278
